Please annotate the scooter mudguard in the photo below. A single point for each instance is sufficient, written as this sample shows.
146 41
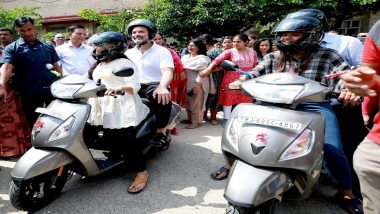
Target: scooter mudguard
36 162
249 186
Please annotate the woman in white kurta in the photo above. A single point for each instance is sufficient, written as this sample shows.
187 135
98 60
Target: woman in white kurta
120 111
118 115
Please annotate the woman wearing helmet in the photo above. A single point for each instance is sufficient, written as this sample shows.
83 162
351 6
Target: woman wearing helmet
297 39
118 115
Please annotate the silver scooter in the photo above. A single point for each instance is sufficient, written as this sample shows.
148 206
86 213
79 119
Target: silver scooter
275 151
59 148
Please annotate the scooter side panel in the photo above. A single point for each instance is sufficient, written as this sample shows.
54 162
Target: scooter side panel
250 186
73 143
36 162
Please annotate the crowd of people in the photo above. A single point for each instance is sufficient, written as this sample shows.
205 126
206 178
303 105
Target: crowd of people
194 79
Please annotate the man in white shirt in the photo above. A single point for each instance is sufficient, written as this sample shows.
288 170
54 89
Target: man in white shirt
75 57
59 39
155 66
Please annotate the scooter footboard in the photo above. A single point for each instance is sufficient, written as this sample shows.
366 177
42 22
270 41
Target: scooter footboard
249 186
36 162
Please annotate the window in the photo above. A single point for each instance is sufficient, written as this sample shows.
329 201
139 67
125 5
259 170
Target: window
350 27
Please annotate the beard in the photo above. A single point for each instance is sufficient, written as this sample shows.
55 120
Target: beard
140 42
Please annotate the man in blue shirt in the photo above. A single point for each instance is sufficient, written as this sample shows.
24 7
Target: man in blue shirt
27 58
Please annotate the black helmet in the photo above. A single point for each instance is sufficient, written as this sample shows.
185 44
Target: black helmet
311 12
308 25
113 43
142 23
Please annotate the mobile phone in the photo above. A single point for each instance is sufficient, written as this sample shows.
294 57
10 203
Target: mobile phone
190 93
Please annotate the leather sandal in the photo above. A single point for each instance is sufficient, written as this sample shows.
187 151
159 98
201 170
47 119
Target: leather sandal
138 180
351 205
215 175
214 122
193 126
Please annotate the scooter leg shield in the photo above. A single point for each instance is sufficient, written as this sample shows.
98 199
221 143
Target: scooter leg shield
249 186
36 162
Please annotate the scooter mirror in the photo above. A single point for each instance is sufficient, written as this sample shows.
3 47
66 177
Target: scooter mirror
124 72
228 65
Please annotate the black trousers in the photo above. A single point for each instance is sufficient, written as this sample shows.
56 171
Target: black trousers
32 102
162 112
122 141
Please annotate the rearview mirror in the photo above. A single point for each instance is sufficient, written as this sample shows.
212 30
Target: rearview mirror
124 72
228 65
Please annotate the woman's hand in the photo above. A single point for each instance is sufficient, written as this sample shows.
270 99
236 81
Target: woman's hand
112 91
197 88
366 119
205 73
349 98
235 85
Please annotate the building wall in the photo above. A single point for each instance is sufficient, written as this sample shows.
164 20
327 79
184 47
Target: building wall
50 8
374 18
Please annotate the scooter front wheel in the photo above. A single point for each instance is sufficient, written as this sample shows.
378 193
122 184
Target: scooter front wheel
265 208
35 193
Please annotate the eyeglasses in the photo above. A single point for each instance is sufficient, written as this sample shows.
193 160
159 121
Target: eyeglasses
59 37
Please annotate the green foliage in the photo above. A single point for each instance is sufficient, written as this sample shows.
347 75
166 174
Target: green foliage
184 19
7 17
110 22
47 36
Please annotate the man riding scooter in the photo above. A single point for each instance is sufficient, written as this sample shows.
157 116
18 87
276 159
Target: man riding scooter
297 39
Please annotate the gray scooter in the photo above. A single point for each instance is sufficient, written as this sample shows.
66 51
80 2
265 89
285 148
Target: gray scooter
275 151
59 148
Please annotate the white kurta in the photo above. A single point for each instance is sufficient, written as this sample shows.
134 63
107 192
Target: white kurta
122 111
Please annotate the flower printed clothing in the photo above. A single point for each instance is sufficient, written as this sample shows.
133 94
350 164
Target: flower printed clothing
246 61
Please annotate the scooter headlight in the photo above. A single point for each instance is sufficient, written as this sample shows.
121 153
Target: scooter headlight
232 132
300 147
63 130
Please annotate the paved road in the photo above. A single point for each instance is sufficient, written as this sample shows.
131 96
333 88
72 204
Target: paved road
179 184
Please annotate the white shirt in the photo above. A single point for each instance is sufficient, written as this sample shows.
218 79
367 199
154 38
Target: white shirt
75 60
349 47
150 62
124 110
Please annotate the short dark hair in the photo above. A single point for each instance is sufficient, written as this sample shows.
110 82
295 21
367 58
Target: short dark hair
23 20
202 50
72 28
6 29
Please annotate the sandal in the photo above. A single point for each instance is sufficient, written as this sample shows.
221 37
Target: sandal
214 122
351 205
138 180
193 126
221 170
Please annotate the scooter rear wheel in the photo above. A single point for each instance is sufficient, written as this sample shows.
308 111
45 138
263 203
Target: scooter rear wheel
265 208
35 193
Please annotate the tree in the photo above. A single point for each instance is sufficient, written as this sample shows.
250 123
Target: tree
186 18
110 22
7 17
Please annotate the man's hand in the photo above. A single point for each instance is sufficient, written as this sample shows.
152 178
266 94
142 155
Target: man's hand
361 81
162 94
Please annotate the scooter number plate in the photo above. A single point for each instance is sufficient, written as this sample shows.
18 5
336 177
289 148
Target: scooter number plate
270 122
